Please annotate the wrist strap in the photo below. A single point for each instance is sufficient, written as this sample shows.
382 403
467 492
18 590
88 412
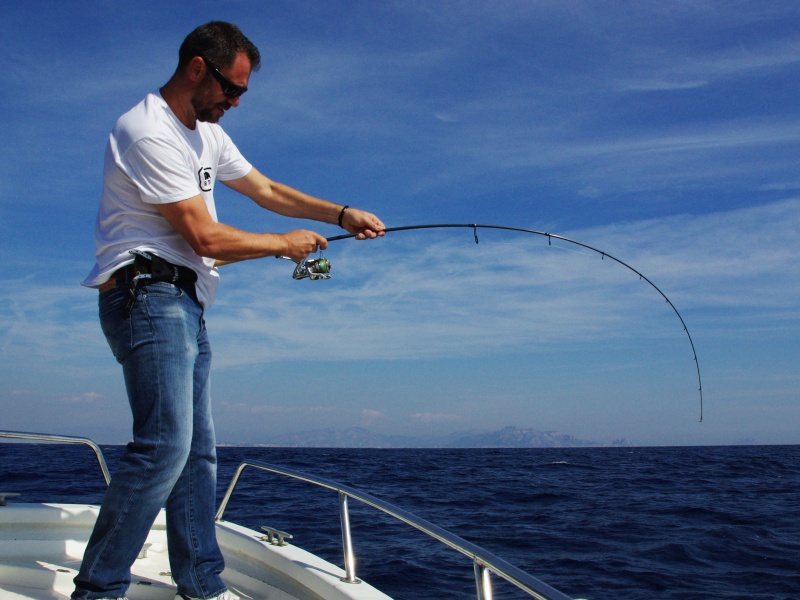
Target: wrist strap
341 216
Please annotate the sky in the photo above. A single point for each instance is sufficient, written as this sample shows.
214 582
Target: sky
665 134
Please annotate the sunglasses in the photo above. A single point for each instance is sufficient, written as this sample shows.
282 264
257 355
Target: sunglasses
230 89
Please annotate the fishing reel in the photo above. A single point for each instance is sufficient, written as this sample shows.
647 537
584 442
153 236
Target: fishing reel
313 268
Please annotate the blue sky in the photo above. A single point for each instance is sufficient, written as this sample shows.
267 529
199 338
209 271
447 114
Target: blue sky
664 133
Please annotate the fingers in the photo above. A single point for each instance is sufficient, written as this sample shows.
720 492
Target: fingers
301 243
368 234
365 225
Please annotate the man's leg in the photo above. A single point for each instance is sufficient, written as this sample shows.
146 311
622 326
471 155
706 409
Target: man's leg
195 558
157 347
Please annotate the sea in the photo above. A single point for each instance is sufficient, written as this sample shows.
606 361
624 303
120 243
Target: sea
622 523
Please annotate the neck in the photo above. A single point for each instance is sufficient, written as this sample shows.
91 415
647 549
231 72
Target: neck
179 100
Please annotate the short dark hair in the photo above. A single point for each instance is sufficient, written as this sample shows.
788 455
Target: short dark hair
220 43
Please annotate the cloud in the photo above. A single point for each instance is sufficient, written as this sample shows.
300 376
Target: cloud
53 323
667 158
372 416
87 398
656 85
660 69
438 294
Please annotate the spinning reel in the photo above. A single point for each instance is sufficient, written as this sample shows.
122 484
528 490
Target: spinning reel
313 268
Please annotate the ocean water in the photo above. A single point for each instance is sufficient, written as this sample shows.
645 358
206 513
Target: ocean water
623 523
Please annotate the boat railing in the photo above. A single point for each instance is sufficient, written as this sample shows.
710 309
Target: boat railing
484 562
62 439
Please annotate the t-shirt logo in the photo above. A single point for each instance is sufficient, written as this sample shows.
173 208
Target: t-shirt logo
204 179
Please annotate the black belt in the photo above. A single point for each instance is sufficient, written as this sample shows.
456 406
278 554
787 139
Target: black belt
152 269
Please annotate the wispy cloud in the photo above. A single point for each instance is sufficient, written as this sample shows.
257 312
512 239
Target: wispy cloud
49 323
372 416
418 296
676 68
86 398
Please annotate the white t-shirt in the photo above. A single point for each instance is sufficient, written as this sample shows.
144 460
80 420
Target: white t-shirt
152 158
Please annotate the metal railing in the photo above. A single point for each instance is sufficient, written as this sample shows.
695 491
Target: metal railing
62 439
484 562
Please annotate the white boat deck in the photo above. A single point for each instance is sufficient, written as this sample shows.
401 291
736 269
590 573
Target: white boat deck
41 546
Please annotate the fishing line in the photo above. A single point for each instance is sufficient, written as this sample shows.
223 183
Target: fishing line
550 237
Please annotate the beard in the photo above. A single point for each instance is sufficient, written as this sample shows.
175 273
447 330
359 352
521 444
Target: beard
205 110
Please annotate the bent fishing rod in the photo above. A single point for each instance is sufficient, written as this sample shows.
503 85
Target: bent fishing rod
319 268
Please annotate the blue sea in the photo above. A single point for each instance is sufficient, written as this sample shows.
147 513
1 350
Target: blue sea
622 523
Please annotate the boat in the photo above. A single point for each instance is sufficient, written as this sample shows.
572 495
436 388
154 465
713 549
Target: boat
41 545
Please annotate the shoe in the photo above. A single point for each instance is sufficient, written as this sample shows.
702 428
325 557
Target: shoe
226 595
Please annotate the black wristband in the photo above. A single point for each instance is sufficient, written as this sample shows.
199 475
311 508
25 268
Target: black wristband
341 216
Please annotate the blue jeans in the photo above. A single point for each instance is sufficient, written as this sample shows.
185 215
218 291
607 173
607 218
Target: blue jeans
165 356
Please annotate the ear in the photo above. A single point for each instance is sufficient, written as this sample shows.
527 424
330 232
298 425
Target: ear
196 69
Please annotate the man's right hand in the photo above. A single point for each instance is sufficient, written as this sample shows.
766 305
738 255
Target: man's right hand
302 242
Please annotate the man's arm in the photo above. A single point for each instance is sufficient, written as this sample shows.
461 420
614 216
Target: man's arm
228 244
289 202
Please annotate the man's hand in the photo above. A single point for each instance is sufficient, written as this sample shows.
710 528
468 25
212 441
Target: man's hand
301 242
284 200
365 225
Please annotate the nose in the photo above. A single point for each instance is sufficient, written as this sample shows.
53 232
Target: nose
234 101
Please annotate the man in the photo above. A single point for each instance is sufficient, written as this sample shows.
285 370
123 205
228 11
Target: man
158 239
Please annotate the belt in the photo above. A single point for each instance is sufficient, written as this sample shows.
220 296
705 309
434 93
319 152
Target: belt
156 268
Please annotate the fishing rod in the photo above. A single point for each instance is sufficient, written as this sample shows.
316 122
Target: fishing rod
320 268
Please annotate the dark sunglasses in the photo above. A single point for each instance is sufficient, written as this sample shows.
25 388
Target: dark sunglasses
230 89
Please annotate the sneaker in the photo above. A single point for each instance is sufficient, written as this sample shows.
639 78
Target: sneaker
226 595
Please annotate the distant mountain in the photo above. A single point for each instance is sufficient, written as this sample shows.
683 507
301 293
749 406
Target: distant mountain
508 437
514 437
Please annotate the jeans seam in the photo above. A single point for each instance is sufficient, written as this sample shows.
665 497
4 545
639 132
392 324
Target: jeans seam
192 532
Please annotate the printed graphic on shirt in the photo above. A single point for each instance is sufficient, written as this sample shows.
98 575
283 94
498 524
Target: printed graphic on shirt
204 179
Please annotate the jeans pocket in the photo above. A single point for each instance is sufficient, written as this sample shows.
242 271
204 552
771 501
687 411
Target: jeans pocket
157 304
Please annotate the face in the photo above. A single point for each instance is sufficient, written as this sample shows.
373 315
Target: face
208 100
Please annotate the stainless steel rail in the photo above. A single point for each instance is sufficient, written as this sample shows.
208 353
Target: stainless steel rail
62 439
484 562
